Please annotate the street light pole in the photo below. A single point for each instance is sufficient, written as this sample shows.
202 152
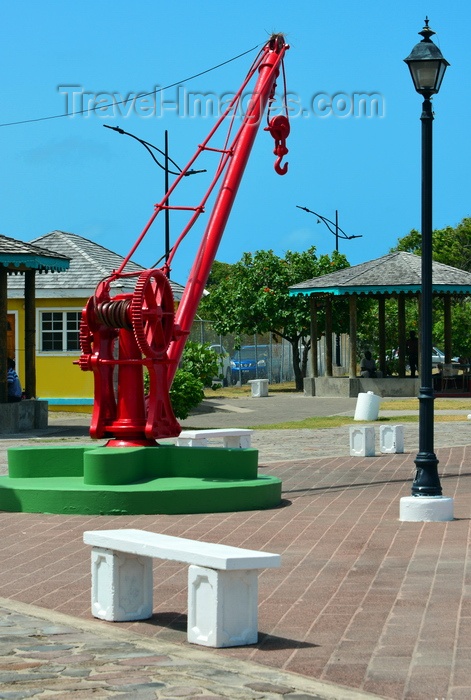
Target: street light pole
150 148
336 231
333 226
426 481
427 67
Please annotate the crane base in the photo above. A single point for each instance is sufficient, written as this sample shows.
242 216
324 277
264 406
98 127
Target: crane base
84 480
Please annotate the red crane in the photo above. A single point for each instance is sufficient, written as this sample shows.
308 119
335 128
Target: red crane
122 334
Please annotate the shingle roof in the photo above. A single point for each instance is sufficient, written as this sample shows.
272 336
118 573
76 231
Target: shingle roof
89 264
16 254
396 272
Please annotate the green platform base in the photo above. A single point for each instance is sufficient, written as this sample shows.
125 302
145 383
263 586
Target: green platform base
84 480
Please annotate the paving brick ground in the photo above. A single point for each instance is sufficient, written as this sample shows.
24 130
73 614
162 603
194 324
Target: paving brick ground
363 604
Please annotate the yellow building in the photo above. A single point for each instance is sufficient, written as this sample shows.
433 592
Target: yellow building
59 303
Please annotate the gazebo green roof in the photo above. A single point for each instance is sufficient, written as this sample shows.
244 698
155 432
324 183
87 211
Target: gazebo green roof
396 273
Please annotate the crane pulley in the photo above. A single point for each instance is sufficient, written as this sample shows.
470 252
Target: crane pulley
121 335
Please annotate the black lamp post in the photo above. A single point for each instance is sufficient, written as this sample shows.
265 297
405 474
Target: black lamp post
427 67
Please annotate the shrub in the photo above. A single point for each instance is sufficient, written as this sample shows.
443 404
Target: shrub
198 367
186 393
200 361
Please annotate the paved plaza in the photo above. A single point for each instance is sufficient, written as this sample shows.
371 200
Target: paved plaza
363 605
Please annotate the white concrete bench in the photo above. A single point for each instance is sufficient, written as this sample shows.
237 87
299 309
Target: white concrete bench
222 582
231 437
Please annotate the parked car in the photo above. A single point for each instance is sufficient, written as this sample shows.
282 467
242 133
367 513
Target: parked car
250 362
225 371
438 357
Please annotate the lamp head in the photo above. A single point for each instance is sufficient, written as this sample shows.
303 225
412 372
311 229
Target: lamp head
426 64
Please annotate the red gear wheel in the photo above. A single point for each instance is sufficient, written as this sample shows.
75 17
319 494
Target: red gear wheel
88 324
85 338
152 313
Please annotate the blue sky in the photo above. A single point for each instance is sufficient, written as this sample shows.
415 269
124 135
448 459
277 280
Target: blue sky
72 174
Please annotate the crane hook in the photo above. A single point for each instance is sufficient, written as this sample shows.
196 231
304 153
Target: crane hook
279 128
278 168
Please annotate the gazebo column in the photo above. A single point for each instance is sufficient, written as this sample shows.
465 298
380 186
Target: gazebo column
3 334
382 333
30 334
401 333
447 327
328 337
314 357
352 370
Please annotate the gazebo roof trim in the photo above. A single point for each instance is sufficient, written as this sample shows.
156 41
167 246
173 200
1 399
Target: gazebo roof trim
16 254
394 273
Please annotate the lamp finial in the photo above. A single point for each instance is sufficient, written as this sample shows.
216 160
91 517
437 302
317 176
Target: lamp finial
426 32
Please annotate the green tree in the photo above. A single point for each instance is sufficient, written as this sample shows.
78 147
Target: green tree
254 298
450 246
219 272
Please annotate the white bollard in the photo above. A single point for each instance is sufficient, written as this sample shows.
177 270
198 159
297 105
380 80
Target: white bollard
391 439
362 441
259 387
367 407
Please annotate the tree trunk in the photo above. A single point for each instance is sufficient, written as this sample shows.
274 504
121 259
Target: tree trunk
298 375
305 356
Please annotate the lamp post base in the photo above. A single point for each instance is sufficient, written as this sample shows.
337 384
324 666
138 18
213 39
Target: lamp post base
426 509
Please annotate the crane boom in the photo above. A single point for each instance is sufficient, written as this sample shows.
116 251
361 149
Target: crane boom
264 89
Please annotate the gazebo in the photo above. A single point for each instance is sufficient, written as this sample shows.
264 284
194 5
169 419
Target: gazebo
19 258
397 275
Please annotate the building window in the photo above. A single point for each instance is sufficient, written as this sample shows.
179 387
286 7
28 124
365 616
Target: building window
60 331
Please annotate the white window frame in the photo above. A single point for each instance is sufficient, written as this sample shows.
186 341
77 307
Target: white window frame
39 331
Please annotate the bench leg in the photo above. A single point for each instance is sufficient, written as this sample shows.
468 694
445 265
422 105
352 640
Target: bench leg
121 585
242 441
222 607
192 442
